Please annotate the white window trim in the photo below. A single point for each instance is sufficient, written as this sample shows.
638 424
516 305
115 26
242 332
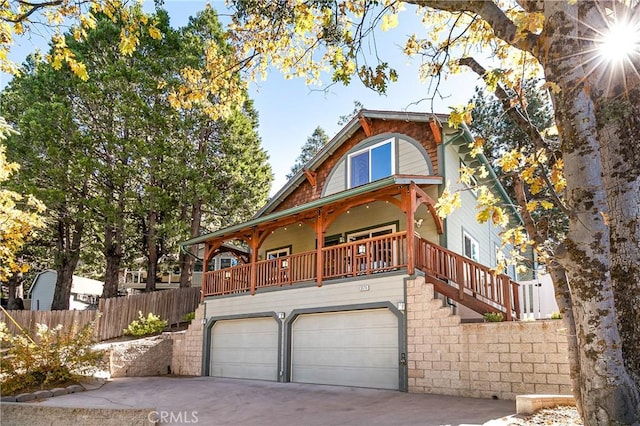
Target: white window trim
287 251
369 148
465 234
368 232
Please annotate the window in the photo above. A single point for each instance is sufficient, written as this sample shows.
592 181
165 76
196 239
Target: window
371 233
280 252
370 164
376 254
471 247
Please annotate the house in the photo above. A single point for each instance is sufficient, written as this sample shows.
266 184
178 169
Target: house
324 295
84 291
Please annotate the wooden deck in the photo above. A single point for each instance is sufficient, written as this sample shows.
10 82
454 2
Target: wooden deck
457 277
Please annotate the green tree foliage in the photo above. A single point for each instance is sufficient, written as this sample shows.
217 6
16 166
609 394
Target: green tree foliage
314 143
118 163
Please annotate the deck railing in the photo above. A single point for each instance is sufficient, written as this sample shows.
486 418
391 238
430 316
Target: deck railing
227 281
470 278
370 256
286 270
366 256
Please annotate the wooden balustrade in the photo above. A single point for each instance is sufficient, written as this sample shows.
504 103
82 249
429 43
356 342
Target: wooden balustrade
481 287
470 278
367 256
286 269
227 281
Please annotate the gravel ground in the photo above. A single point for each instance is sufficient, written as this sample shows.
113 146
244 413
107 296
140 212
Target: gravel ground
558 416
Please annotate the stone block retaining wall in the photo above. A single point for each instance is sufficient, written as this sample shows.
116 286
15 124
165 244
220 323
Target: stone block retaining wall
186 358
481 359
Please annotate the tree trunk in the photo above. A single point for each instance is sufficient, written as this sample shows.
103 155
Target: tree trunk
152 251
69 237
113 255
619 133
188 260
607 392
12 284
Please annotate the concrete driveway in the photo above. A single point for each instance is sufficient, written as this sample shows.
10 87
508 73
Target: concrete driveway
216 401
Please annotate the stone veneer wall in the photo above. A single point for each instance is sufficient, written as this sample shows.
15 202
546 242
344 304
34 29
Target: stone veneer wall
187 347
142 357
481 359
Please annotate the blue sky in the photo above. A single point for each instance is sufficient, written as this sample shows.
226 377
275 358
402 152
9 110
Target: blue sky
290 110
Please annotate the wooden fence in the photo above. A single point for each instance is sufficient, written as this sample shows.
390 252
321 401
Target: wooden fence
116 313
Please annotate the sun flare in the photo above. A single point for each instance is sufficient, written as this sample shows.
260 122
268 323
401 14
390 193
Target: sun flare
620 42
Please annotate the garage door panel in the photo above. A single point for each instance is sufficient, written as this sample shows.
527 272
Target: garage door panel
245 348
349 377
352 348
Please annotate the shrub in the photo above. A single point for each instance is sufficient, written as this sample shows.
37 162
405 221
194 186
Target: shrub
55 355
556 315
493 317
152 324
189 316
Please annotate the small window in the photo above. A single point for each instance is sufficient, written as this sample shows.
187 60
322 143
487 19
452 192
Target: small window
370 164
471 247
281 252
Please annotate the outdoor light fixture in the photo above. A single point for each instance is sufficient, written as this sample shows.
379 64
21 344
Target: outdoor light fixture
227 274
204 321
281 315
402 306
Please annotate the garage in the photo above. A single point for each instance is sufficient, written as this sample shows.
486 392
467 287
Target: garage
348 348
245 349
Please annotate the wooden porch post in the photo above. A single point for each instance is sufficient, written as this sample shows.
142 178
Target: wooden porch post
205 269
320 238
255 245
506 295
409 206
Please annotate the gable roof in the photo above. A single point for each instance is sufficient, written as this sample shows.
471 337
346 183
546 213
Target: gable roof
345 133
460 137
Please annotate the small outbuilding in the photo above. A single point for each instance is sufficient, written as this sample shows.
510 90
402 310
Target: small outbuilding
84 291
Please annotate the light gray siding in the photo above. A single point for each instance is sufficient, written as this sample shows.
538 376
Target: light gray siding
413 159
463 219
42 292
337 179
388 288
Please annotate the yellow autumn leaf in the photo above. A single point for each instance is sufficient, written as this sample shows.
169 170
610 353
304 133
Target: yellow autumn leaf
389 22
547 205
155 33
447 202
460 115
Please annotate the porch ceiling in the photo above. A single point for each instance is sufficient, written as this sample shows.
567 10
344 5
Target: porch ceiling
308 211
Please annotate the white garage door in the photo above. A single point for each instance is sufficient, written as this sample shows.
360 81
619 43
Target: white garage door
352 348
245 349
